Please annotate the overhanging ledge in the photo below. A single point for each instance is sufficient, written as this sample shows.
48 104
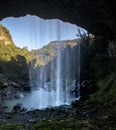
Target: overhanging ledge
96 16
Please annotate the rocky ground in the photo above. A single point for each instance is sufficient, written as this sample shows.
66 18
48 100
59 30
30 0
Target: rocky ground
10 90
95 111
71 117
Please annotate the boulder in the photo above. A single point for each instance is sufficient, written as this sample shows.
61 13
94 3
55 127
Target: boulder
17 107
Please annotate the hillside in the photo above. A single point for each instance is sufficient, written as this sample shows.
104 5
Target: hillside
13 60
45 54
8 49
5 36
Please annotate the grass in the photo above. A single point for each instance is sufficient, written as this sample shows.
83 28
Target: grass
69 123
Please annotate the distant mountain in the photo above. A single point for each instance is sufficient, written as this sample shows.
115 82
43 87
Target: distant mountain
56 57
48 52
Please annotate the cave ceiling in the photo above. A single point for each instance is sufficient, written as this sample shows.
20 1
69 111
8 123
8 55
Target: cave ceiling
96 16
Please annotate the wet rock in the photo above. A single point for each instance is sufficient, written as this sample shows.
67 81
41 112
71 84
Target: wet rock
8 91
85 83
15 85
3 85
3 107
27 88
18 108
84 87
18 95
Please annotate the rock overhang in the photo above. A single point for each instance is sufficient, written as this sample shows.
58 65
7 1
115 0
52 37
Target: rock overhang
96 16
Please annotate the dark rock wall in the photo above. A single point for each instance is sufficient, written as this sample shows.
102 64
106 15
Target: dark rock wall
97 16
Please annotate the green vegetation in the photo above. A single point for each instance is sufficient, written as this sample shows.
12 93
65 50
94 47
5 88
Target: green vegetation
13 60
48 52
105 97
11 127
5 36
101 104
69 123
7 52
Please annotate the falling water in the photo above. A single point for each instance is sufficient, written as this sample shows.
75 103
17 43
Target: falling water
78 65
58 77
53 84
58 69
56 91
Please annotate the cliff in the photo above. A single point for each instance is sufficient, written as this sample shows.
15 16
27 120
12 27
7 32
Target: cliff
48 52
5 37
13 60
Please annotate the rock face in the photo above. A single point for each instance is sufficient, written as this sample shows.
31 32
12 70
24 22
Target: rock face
47 53
43 68
13 68
12 58
97 16
5 36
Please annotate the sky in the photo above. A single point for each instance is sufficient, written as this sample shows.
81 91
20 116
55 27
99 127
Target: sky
35 32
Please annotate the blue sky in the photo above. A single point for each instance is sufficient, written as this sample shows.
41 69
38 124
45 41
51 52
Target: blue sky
35 32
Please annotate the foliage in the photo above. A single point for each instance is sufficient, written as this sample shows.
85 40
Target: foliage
9 51
13 60
68 123
11 127
48 52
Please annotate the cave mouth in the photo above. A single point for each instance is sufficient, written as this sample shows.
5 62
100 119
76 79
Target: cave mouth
34 32
39 33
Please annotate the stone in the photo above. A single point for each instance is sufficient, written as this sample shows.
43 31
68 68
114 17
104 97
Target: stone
85 83
18 108
18 95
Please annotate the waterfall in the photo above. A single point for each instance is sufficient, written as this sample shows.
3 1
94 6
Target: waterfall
58 77
53 83
78 65
58 69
